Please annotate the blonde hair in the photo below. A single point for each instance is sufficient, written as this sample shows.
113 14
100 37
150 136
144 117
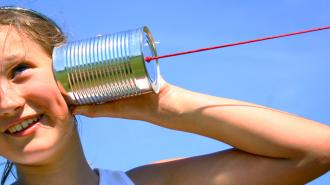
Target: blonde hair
38 27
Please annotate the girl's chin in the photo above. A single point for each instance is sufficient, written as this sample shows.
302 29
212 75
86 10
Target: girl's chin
35 155
46 145
40 152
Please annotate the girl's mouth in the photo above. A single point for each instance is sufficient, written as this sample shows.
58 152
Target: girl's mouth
23 128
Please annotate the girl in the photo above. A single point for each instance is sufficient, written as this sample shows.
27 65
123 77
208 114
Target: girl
39 136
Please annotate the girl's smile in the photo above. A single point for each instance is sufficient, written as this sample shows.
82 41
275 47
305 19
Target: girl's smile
24 126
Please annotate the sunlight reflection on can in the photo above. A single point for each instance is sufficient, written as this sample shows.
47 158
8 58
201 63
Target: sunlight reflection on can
107 68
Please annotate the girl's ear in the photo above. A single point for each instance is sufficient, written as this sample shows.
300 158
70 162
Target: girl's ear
64 93
61 88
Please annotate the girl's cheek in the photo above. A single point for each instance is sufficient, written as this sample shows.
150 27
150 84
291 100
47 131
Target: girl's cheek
45 95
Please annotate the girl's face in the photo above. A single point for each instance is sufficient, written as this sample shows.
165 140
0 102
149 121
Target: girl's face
35 122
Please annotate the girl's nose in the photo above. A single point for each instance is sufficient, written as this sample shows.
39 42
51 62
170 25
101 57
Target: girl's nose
10 101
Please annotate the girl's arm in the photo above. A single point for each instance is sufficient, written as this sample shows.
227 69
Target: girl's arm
272 147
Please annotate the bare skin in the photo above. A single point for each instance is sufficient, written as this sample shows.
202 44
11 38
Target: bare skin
271 147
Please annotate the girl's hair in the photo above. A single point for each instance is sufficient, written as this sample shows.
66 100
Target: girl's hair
37 27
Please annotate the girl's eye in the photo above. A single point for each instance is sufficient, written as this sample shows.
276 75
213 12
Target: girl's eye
19 69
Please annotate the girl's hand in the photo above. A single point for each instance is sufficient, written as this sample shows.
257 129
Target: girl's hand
142 107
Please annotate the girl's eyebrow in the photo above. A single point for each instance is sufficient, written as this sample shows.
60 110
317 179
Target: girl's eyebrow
8 61
13 57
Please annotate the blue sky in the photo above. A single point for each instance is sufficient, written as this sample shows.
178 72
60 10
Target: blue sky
290 74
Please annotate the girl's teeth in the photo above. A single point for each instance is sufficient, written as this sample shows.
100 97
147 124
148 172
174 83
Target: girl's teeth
22 125
12 130
25 124
18 127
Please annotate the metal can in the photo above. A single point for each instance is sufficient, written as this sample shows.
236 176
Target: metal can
107 68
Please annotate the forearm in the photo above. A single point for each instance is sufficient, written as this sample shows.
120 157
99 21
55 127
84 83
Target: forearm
252 128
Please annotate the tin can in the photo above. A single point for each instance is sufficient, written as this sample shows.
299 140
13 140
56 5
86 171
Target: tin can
107 68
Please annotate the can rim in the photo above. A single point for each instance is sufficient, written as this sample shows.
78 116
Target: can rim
155 85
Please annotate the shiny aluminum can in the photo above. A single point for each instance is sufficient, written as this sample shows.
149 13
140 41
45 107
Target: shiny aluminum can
107 68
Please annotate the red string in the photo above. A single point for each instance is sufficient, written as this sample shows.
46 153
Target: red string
149 58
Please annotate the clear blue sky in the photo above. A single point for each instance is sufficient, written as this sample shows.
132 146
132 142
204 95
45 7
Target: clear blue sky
291 74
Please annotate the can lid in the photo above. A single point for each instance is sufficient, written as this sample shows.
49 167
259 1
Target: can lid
152 67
